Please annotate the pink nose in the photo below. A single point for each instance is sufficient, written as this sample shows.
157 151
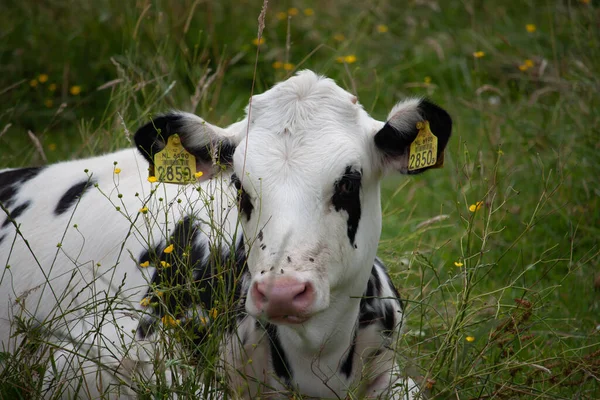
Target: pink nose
283 297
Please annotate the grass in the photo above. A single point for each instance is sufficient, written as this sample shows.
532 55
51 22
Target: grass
502 300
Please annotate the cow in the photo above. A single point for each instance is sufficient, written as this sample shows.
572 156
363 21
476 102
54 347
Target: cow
280 219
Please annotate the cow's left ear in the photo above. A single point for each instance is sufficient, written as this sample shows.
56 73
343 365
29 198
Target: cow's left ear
210 145
394 139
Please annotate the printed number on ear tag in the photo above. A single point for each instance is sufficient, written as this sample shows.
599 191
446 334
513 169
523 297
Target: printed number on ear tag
423 150
174 164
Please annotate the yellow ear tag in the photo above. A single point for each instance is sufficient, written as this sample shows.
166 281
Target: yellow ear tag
423 150
174 164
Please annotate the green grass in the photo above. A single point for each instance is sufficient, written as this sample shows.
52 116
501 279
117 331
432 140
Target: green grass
525 143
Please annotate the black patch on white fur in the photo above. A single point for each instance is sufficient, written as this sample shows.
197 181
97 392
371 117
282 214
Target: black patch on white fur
2 238
191 280
243 199
369 304
71 196
346 196
278 357
389 319
346 367
12 216
374 308
11 179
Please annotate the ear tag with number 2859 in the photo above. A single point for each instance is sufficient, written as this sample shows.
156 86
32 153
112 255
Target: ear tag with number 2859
423 150
174 164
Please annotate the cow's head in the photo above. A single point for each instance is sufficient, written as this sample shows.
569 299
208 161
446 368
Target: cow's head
306 162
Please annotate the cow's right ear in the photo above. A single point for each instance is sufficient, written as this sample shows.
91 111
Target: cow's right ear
209 144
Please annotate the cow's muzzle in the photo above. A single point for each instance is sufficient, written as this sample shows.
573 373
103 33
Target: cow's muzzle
283 299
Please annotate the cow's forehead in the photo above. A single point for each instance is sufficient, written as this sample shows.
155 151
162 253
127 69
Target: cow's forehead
305 125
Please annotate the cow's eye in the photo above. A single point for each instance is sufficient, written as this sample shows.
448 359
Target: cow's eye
243 199
348 184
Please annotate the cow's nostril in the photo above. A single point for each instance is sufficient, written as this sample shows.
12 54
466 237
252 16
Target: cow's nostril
304 297
258 293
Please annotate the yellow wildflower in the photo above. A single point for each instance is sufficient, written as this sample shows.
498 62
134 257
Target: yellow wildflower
48 103
478 54
75 90
288 66
530 28
349 59
523 67
529 63
277 65
203 320
500 152
43 78
169 321
257 41
152 179
52 146
52 87
309 11
281 15
198 174
117 171
293 11
476 206
33 82
213 313
145 302
144 210
145 264
169 249
160 294
165 264
338 37
427 80
458 264
470 339
382 28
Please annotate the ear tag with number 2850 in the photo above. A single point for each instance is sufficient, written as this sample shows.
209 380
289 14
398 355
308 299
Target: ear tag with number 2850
423 150
174 164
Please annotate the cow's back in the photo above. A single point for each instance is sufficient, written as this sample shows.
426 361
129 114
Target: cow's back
71 249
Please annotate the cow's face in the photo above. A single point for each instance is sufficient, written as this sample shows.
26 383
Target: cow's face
306 166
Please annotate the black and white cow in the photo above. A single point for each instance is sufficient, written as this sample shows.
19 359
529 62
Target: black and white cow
286 219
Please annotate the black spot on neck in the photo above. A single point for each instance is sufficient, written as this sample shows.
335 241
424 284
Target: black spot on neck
9 181
15 213
243 199
278 357
346 197
71 196
389 320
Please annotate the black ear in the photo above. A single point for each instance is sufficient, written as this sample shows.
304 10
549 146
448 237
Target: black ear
208 143
396 136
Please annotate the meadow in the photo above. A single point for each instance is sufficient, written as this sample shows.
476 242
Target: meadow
497 254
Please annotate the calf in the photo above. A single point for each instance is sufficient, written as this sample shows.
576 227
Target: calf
284 222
